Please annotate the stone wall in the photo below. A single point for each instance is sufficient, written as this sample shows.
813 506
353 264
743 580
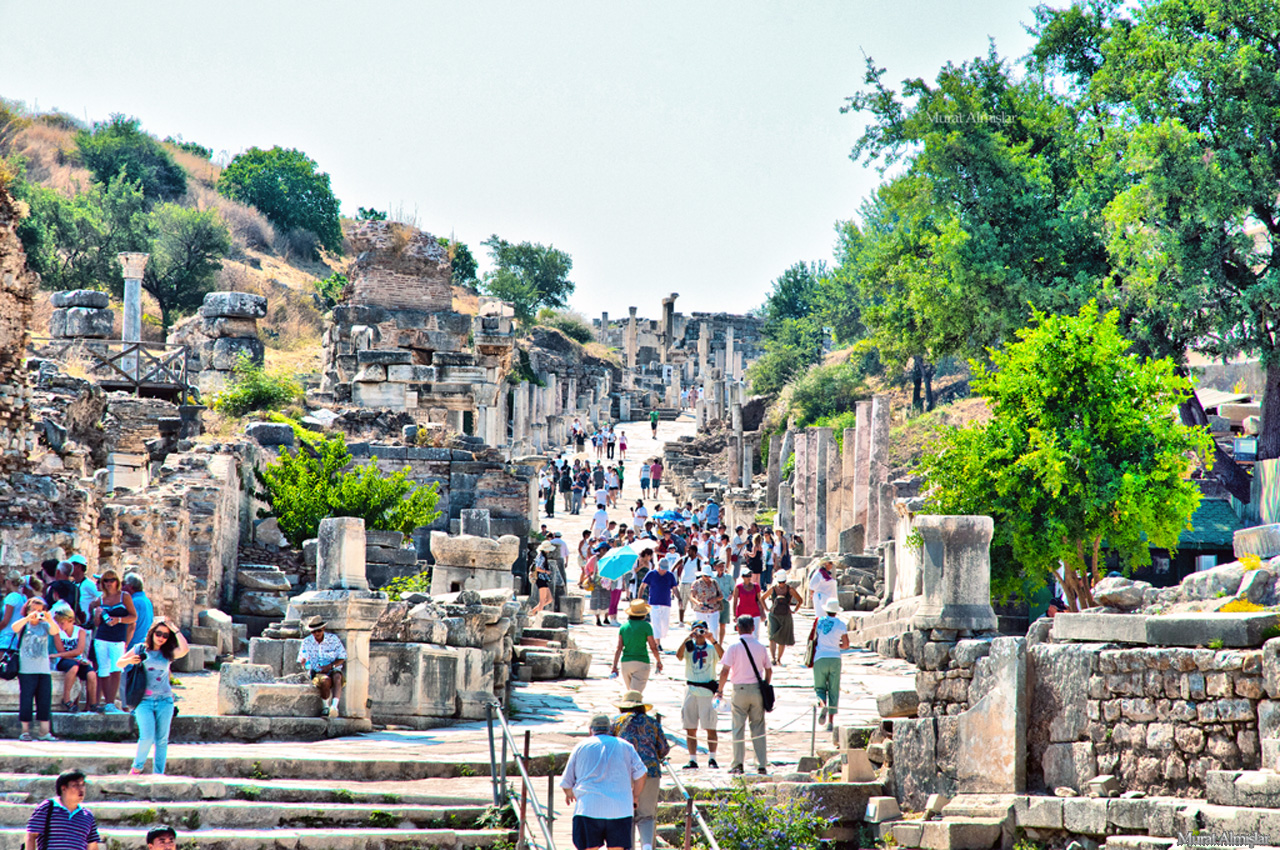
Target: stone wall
17 288
399 267
225 330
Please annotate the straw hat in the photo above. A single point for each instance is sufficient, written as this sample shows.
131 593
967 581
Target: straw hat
633 699
548 546
638 608
315 624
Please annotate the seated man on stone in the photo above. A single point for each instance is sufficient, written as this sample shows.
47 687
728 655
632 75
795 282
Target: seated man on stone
322 654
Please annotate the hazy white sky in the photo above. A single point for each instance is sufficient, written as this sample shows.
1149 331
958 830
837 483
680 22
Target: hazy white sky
680 147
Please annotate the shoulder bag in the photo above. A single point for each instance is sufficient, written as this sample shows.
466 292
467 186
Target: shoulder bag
811 646
135 683
766 689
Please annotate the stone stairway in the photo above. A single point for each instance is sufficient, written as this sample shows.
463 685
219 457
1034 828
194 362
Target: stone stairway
246 814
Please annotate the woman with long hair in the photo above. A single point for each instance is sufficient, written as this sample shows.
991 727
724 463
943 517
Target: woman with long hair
156 653
14 599
542 577
72 658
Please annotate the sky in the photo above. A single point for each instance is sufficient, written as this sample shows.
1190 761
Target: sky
695 148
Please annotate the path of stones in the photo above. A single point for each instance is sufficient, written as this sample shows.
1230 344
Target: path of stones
557 712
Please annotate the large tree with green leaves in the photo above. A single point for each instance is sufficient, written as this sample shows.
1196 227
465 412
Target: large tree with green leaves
1082 449
187 247
119 145
793 328
289 188
528 275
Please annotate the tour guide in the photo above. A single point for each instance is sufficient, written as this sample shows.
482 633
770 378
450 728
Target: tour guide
323 655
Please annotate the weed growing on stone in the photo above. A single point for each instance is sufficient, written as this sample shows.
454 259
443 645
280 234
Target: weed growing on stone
750 821
342 795
248 792
391 799
256 772
143 818
379 819
192 820
1216 643
466 770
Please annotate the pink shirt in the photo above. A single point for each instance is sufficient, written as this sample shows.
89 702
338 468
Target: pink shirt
735 659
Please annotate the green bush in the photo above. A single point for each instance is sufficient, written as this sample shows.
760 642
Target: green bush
746 820
288 188
329 290
120 145
314 482
826 391
253 388
401 586
570 324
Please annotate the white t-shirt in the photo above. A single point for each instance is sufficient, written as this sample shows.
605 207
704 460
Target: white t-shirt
827 644
641 514
644 470
825 588
600 520
689 570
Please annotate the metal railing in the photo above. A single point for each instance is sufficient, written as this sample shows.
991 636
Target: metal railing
691 813
528 794
135 365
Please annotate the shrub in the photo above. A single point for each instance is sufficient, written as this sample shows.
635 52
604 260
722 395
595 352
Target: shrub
746 820
329 290
570 324
1242 606
402 586
307 485
253 388
289 189
826 391
120 145
190 147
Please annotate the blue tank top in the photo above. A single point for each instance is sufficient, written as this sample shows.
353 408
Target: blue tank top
117 632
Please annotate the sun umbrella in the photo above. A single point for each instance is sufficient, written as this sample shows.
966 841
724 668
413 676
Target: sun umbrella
618 562
670 516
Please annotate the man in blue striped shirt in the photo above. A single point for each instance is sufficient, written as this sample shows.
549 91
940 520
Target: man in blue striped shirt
61 823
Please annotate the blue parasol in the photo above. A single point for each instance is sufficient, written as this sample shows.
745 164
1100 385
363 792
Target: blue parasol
618 562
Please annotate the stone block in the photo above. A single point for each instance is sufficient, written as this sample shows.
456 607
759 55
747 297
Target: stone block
411 374
219 327
383 395
232 679
385 357
966 834
1069 765
577 663
1127 813
1120 592
1104 786
243 305
915 757
857 767
371 373
1233 630
1211 584
80 298
270 433
399 557
1038 812
274 699
385 539
226 353
263 578
1261 540
881 809
1085 816
908 834
544 664
898 703
258 603
475 552
82 322
1099 628
192 662
992 733
956 572
413 679
340 554
852 540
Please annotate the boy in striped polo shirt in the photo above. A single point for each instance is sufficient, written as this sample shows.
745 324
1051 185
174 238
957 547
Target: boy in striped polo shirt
61 823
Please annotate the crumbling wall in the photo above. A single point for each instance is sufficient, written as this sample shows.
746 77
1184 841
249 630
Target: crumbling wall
17 289
399 267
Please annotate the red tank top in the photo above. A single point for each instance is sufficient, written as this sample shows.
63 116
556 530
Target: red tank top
748 603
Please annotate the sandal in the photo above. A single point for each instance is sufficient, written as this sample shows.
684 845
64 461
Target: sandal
69 707
25 736
48 736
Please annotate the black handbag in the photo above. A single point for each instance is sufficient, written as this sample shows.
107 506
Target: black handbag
766 689
9 664
135 684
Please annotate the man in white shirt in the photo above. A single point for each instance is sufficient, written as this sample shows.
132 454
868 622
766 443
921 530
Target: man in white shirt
602 779
748 702
640 513
687 569
736 546
600 520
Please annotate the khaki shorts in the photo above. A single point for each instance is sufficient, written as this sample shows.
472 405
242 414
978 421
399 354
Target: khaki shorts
699 708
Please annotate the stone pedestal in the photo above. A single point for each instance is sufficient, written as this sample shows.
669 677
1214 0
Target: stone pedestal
349 614
956 573
340 558
475 522
468 562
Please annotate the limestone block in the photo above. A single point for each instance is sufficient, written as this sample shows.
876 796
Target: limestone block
411 374
371 374
573 606
967 834
1233 630
263 578
259 603
544 664
270 433
226 352
242 305
1261 540
857 767
1069 765
1256 586
232 697
340 554
898 703
274 699
269 653
956 571
384 357
576 664
1219 581
1038 812
914 762
1117 628
852 540
386 394
385 539
80 298
992 733
82 322
1120 592
398 557
219 327
475 552
1084 816
1102 786
413 679
881 809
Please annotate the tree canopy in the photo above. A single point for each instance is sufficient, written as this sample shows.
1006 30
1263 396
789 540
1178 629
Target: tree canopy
187 247
119 145
1082 451
528 275
288 187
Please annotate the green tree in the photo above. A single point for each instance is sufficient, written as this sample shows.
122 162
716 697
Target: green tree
120 145
370 214
792 329
194 148
528 275
187 247
1081 449
309 484
462 260
288 188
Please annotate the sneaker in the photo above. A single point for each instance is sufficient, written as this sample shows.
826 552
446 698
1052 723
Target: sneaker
763 771
831 727
135 771
711 763
333 710
736 770
25 736
69 707
110 708
692 765
822 717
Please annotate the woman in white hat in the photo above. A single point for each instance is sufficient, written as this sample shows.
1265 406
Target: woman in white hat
635 642
830 637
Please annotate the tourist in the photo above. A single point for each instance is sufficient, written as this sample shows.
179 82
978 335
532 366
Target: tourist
753 556
48 572
644 563
687 569
586 546
35 679
542 576
72 658
161 644
141 605
711 513
611 443
591 582
32 586
111 613
766 552
739 545
824 587
635 643
322 654
603 779
622 446
661 583
162 838
565 480
745 666
615 596
577 486
639 514
622 479
701 654
562 545
684 399
85 584
724 583
63 589
61 823
782 629
746 600
705 597
655 479
14 600
614 487
600 520
644 732
644 479
549 494
653 423
783 559
830 636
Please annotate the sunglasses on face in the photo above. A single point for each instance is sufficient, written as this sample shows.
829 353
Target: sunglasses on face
163 635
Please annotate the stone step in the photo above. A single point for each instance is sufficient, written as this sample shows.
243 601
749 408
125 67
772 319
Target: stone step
1259 788
245 814
195 728
951 834
177 789
12 838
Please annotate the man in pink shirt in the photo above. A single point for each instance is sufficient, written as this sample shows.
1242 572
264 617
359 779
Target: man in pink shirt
748 703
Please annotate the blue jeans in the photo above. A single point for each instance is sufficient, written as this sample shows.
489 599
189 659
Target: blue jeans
153 715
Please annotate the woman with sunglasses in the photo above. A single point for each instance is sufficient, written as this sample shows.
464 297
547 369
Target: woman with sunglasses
162 645
111 613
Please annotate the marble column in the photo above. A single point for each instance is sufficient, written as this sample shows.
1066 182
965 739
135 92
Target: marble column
132 265
801 502
520 414
730 372
735 445
704 348
878 457
820 460
849 474
632 341
603 336
668 325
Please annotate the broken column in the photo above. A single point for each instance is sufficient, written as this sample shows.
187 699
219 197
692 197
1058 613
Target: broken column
878 469
848 478
735 445
81 314
955 573
225 330
668 325
801 505
704 348
729 370
632 342
823 442
603 336
468 562
340 561
861 462
132 266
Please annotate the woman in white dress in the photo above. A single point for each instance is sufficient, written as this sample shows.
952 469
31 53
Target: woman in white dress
824 587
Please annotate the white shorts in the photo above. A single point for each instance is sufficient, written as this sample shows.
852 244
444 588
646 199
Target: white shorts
712 620
699 708
660 619
108 654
